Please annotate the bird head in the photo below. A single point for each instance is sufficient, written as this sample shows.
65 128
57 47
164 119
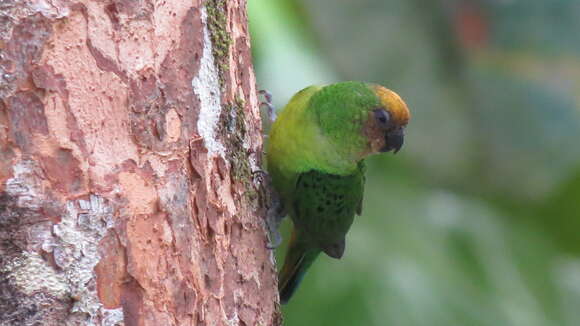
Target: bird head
355 120
385 124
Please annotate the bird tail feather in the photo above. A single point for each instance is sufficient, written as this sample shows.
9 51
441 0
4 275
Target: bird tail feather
297 261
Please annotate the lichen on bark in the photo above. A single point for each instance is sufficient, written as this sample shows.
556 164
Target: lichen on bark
220 37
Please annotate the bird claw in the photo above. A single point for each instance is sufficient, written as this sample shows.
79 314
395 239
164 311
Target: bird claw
268 103
261 173
274 239
261 176
271 245
267 95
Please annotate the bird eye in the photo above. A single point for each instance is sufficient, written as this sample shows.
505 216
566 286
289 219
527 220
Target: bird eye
382 117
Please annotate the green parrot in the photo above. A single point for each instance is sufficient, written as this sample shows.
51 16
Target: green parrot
315 160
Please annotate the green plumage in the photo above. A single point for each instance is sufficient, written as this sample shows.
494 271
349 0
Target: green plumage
323 210
325 205
315 158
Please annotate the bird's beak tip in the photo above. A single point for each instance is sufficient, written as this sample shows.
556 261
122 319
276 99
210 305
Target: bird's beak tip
393 142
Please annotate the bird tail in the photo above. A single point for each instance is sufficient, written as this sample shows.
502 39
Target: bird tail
297 261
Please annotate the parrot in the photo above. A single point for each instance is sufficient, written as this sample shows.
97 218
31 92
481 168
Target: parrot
315 158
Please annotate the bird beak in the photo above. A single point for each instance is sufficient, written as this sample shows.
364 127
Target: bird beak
393 141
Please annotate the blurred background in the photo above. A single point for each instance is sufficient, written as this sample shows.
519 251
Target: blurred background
476 221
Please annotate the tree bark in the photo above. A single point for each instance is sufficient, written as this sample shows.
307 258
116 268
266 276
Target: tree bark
129 131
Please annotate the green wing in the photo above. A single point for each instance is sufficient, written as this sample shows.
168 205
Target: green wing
324 206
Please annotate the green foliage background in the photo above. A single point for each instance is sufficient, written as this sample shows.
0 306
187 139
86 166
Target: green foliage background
476 221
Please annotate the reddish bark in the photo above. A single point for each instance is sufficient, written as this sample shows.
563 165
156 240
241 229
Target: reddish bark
126 149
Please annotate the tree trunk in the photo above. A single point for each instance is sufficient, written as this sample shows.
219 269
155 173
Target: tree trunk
129 131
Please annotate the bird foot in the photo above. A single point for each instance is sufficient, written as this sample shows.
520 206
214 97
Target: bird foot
274 236
274 218
268 104
275 212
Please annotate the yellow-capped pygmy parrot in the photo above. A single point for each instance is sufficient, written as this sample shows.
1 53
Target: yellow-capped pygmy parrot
315 155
